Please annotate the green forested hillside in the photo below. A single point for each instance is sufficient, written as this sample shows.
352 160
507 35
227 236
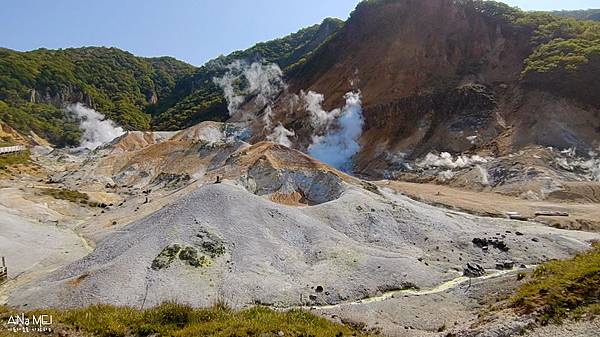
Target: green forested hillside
113 81
197 98
137 93
566 56
584 14
35 85
166 94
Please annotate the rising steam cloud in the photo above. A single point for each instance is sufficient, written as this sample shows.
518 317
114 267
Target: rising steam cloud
264 82
227 83
340 142
97 130
281 136
319 118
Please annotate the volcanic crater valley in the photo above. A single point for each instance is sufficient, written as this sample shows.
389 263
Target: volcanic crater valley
403 179
200 215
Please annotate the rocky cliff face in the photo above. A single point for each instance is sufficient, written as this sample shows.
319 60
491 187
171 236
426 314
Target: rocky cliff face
404 48
439 75
61 97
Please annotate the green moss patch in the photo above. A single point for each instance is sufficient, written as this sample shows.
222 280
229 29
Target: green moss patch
205 249
191 256
166 257
210 243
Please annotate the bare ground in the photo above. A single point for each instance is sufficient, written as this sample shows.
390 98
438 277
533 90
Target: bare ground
581 216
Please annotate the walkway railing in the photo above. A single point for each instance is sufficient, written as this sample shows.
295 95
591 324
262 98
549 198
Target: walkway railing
3 271
11 149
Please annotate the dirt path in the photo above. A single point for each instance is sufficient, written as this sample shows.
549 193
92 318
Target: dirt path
582 216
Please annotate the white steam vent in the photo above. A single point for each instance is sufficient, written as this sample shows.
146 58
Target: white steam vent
97 130
319 118
281 136
340 142
445 160
264 81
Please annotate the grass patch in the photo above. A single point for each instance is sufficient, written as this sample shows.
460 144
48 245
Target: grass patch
6 141
171 319
12 159
563 289
69 195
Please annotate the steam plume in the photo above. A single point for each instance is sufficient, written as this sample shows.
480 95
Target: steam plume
281 136
319 118
340 144
263 81
227 83
266 119
96 129
446 160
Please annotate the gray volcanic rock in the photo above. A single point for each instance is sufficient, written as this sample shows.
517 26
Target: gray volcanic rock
229 244
315 186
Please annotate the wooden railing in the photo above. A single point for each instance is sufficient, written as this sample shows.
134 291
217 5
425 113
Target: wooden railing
3 271
11 149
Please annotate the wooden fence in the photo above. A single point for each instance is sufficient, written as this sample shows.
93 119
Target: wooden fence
3 271
12 149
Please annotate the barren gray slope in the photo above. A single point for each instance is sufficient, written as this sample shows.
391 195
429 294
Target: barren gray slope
356 246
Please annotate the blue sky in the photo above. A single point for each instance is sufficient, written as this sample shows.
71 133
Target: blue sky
191 30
